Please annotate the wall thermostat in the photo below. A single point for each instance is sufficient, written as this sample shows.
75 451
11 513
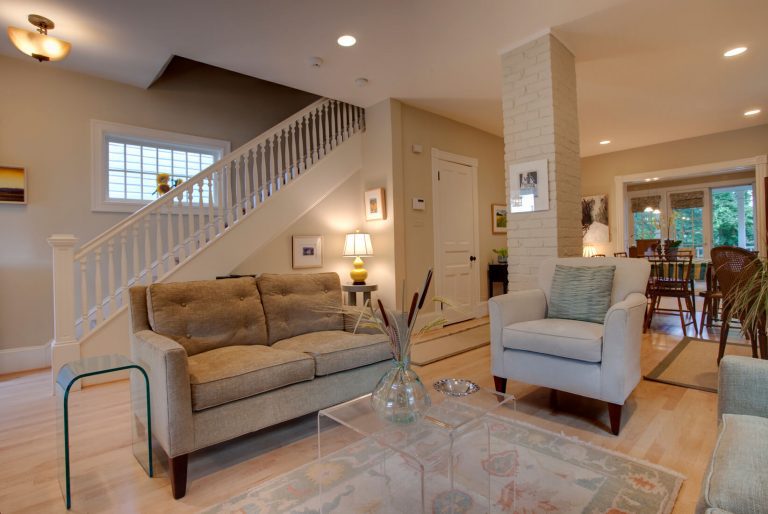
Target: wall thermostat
419 204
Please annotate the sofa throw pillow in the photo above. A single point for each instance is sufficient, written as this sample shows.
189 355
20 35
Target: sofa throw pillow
581 292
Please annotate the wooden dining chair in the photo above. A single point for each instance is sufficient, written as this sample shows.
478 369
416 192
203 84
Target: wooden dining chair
713 299
732 266
672 277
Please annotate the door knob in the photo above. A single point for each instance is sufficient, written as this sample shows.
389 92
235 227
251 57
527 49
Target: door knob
472 258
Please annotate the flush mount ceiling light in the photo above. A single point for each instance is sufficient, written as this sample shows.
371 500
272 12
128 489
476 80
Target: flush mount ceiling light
361 82
752 112
346 40
39 45
733 52
605 142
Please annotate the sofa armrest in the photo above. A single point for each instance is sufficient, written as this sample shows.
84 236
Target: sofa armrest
622 336
514 307
743 387
165 362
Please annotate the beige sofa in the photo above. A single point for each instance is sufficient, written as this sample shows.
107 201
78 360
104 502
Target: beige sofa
229 357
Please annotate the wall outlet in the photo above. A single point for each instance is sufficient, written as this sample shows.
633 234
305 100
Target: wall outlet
418 204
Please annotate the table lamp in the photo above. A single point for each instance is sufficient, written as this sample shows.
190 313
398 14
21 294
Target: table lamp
588 251
358 245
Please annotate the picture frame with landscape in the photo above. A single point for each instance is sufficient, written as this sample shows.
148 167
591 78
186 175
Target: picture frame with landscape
307 252
13 185
498 218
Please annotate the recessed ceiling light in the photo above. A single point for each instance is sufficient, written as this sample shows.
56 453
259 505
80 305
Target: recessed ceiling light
647 180
655 178
346 40
733 52
360 82
752 112
605 142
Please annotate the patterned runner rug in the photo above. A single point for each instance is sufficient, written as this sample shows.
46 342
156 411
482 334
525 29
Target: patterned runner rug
531 470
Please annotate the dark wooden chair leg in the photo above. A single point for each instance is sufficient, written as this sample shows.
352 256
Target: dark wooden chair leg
723 336
177 470
553 399
614 413
500 384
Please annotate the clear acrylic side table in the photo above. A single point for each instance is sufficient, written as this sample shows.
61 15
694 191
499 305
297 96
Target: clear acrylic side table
68 375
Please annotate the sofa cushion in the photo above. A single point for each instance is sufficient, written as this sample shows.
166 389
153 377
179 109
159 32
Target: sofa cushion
231 373
297 304
735 481
581 292
336 350
208 314
566 338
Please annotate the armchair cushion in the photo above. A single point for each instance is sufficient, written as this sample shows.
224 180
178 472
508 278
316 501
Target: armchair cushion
297 304
231 373
334 350
581 292
567 338
207 314
735 481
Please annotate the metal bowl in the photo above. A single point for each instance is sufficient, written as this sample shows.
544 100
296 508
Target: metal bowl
455 386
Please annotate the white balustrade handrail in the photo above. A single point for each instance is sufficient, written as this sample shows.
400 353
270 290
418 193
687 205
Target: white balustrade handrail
189 185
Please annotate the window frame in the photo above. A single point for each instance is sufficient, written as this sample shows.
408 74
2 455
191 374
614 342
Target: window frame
101 130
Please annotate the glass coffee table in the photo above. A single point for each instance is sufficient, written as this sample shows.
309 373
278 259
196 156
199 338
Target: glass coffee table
432 465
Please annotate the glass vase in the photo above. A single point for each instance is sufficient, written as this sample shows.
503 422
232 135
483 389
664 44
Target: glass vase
400 397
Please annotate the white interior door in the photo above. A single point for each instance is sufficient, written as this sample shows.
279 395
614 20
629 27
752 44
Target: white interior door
456 239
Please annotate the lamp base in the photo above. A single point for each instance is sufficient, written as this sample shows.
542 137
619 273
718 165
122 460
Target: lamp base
358 273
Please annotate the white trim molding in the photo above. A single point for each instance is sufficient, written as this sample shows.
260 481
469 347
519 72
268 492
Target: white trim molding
100 130
13 360
757 163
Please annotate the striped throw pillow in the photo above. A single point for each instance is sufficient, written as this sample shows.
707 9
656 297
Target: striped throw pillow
581 292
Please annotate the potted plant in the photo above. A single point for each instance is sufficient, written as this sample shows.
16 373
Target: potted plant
501 255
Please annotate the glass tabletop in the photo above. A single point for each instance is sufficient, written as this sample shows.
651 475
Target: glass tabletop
92 366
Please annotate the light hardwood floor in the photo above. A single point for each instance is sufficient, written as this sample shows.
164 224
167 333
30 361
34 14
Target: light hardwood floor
667 425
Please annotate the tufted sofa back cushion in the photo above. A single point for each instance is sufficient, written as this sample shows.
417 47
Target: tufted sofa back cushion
297 304
208 314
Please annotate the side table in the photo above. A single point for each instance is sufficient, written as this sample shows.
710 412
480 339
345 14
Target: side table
353 289
73 371
497 273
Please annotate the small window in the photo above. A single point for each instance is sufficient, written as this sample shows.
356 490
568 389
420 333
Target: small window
127 161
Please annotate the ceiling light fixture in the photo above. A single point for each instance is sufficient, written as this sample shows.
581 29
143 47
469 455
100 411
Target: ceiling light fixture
605 142
346 40
361 82
39 45
752 112
733 52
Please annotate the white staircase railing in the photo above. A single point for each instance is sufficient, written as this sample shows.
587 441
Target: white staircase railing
91 285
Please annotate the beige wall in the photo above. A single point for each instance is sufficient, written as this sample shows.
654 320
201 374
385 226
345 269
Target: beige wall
598 172
433 131
44 126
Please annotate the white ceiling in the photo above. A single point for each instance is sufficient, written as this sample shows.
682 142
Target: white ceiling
648 70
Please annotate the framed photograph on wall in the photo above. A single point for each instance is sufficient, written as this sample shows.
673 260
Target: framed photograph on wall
529 187
594 219
499 218
307 252
13 185
375 205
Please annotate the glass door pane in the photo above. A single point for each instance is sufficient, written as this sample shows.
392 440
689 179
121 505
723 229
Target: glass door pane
686 223
733 216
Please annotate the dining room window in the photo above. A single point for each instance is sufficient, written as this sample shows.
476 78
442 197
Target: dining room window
646 217
733 216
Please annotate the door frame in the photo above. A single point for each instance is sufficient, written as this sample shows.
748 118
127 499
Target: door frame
472 163
759 164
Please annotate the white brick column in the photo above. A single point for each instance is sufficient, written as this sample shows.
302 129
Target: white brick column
540 122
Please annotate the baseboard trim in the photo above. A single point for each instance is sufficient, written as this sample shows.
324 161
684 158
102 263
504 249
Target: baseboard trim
13 360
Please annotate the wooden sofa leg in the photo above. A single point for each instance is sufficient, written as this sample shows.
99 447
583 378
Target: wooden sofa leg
177 469
614 413
500 384
553 399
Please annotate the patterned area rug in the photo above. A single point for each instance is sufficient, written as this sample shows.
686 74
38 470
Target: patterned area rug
531 470
693 363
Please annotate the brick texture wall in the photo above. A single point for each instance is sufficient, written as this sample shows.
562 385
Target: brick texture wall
541 122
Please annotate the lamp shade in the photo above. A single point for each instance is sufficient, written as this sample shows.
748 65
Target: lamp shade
588 251
40 46
358 245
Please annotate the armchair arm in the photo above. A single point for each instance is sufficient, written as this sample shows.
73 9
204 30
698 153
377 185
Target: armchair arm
743 387
622 335
509 308
165 362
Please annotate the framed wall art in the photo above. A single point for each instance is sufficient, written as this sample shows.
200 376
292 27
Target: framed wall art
307 252
594 219
13 185
498 218
375 205
529 187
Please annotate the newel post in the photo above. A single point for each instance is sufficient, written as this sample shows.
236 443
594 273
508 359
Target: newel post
65 347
